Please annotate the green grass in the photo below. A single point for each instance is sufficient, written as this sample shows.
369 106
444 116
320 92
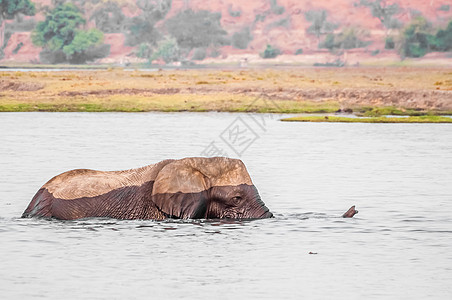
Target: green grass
337 119
367 111
49 107
172 103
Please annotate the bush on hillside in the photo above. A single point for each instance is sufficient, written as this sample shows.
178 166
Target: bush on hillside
270 52
389 43
199 54
168 50
349 38
197 29
242 38
109 18
416 38
319 24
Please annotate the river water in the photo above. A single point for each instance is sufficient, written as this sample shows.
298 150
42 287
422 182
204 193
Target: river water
399 176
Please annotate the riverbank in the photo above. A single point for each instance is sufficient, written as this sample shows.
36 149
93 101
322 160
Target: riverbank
340 119
366 91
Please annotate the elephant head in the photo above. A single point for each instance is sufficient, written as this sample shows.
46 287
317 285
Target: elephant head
207 188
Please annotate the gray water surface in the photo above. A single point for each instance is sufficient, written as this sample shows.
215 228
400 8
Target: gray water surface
398 247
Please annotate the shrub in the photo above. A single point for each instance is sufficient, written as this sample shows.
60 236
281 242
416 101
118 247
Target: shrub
83 40
443 39
109 18
144 50
52 57
284 22
349 38
16 50
276 9
90 54
199 54
154 10
9 9
140 30
214 53
319 24
259 18
234 13
416 38
270 52
444 7
384 12
299 51
241 39
6 38
168 50
419 38
199 29
389 43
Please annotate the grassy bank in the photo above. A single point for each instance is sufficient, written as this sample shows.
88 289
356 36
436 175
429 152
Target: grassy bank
169 103
339 119
365 91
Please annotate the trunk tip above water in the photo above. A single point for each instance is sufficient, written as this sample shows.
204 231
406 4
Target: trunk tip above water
350 212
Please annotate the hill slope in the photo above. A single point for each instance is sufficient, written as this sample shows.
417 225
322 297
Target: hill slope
283 24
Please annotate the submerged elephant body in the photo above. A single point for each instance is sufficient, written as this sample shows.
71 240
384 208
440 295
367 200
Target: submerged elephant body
197 188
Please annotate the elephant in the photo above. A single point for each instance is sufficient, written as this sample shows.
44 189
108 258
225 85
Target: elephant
188 188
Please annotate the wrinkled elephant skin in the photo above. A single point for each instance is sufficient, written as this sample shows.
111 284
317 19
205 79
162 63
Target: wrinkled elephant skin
189 188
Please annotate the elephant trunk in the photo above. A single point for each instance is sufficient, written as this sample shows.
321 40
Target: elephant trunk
259 210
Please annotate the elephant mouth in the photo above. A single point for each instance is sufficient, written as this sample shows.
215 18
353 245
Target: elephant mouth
234 216
265 215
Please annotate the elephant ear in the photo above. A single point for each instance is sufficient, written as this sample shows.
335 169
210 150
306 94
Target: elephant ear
180 191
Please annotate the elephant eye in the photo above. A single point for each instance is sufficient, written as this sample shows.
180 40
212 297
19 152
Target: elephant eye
236 199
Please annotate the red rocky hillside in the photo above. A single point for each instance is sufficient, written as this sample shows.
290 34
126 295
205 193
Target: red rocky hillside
282 24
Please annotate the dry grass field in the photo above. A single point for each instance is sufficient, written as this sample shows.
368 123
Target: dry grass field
367 91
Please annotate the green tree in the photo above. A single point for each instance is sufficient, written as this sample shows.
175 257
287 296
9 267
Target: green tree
384 12
389 43
83 40
144 50
141 29
275 8
416 38
168 50
443 39
199 29
349 38
60 36
9 9
319 24
109 17
154 9
59 27
242 38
